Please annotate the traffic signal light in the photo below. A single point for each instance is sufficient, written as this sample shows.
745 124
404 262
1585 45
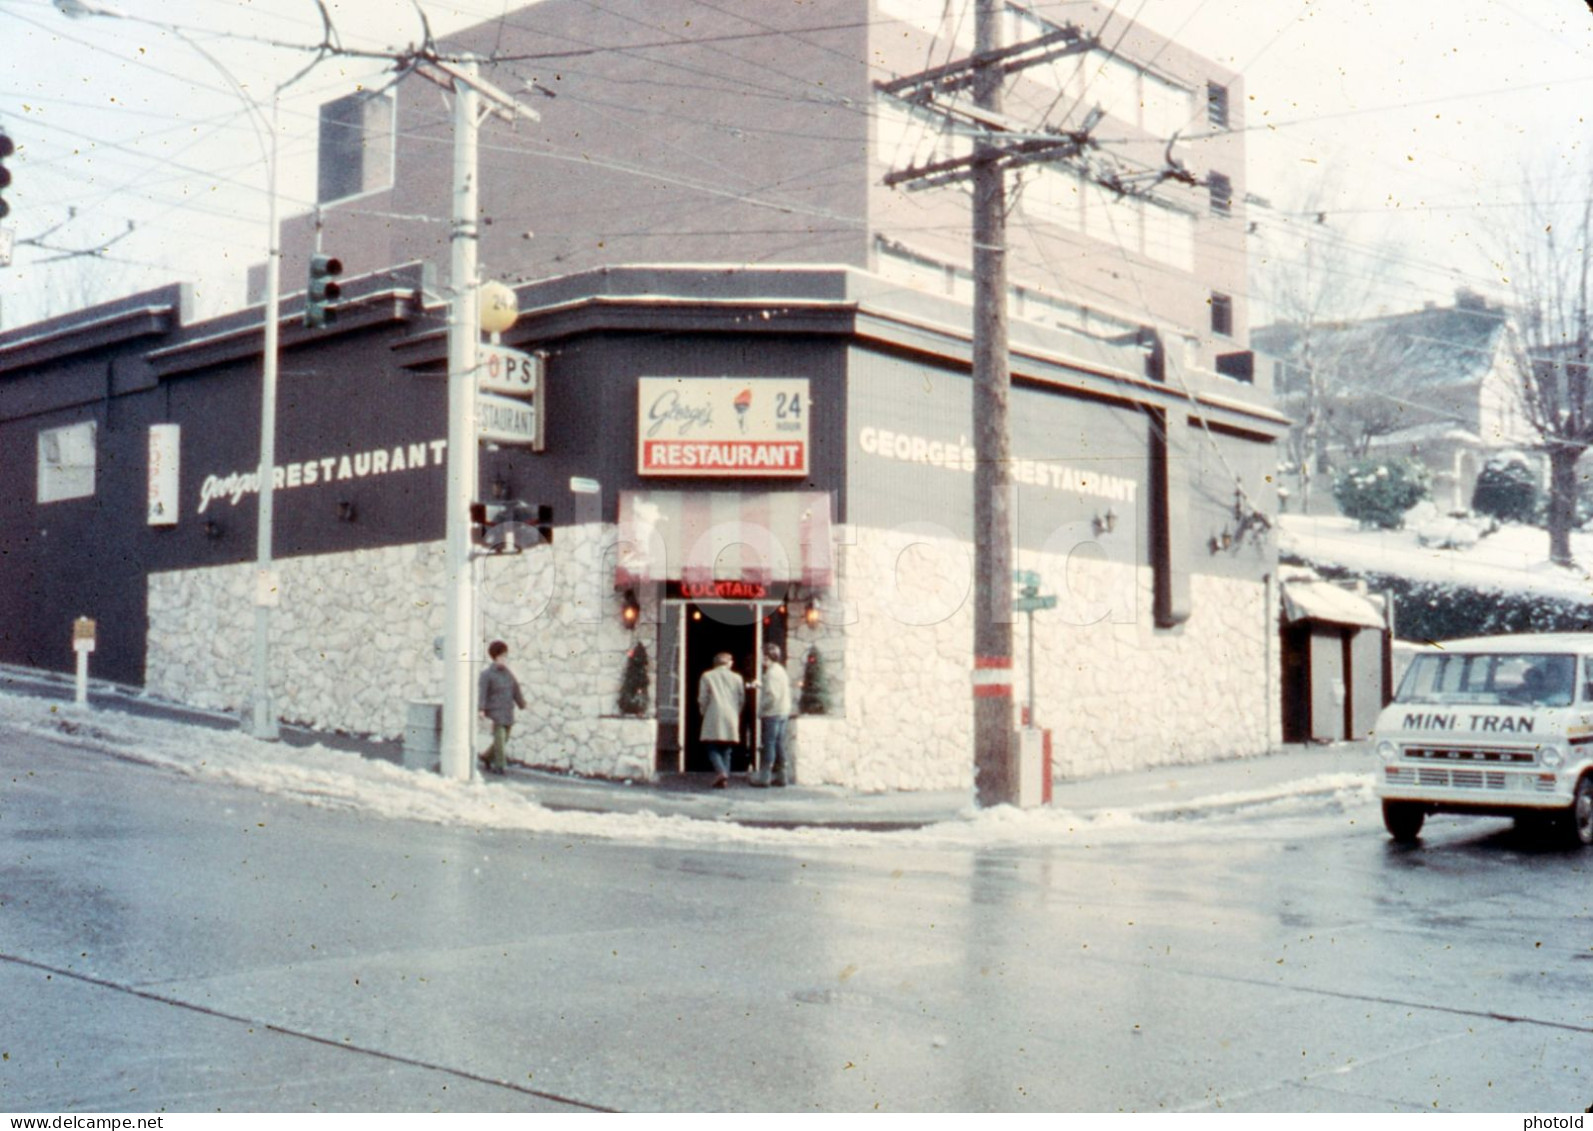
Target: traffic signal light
6 150
509 527
323 291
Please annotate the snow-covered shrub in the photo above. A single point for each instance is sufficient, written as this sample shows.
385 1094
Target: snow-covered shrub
1450 533
1507 489
1378 492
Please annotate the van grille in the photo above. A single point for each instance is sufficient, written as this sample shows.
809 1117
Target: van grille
1444 778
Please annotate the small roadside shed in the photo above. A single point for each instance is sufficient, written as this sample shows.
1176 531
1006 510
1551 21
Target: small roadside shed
1337 657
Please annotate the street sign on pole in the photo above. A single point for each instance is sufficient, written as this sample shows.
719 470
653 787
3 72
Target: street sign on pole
1032 604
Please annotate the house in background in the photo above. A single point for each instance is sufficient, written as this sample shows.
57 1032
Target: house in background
1438 384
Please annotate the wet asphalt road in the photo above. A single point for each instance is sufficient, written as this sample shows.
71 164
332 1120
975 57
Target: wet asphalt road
166 944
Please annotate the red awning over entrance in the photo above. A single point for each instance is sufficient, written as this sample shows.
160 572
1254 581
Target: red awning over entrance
702 536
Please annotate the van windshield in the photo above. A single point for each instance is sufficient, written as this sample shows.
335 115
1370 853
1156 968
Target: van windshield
1506 678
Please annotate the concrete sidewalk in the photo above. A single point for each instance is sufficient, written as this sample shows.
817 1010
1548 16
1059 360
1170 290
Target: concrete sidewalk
1168 793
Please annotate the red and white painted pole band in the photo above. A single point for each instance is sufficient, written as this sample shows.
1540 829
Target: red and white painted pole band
992 677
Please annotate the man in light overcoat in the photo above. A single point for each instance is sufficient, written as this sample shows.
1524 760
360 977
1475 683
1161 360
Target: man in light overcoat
720 696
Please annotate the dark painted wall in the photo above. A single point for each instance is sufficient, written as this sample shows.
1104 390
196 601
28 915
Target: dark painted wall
91 556
346 406
592 412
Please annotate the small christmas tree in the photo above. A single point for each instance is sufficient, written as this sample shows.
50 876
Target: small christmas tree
815 686
633 695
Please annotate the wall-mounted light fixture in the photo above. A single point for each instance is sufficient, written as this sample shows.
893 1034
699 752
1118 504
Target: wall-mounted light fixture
1104 523
630 609
213 529
347 511
502 488
813 614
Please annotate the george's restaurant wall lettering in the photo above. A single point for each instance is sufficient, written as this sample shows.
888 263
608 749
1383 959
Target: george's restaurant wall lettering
231 488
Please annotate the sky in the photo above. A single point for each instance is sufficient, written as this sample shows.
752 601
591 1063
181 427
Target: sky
1388 138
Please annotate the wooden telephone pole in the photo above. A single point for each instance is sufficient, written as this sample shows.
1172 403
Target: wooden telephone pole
995 771
995 745
1001 145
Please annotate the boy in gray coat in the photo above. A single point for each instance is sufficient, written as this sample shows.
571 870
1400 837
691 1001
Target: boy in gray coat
499 694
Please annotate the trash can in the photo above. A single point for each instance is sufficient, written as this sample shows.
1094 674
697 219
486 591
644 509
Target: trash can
1034 767
422 735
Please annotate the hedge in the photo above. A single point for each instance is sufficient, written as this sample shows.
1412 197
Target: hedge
1438 610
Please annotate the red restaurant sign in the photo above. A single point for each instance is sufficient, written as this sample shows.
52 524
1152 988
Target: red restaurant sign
722 426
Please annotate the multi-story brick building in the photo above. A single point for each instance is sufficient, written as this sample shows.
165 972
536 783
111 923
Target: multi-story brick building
685 133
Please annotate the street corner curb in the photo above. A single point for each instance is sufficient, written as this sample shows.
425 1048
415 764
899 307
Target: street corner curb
1225 804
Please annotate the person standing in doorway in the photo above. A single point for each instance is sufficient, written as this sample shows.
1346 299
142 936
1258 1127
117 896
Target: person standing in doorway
720 696
499 694
774 715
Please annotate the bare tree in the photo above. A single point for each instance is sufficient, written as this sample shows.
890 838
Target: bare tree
1548 271
1309 296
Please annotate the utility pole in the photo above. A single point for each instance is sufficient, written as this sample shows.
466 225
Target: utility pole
1000 145
464 336
995 775
463 459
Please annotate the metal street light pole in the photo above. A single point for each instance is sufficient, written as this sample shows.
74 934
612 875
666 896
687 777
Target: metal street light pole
262 715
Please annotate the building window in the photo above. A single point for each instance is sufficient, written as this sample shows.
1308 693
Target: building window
1221 193
1166 109
66 462
356 151
1217 105
1221 314
1170 236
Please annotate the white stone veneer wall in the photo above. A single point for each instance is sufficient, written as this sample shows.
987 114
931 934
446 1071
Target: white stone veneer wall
353 642
1117 693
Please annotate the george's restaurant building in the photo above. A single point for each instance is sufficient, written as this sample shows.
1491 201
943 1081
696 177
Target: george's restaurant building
725 458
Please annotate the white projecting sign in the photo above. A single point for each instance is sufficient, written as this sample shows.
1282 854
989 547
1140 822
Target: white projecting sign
165 445
506 420
722 426
513 373
509 397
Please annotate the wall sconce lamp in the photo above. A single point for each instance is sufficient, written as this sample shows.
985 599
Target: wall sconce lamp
813 614
1221 542
213 529
347 511
1104 523
630 609
501 487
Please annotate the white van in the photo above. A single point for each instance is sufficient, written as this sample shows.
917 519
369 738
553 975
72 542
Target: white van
1494 725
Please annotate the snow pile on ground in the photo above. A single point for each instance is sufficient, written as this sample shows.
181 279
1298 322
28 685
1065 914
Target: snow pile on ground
318 776
1514 557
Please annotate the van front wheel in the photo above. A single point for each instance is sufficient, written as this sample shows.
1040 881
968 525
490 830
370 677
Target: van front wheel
1403 820
1578 820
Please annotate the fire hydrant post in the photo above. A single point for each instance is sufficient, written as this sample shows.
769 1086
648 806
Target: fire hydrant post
82 644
